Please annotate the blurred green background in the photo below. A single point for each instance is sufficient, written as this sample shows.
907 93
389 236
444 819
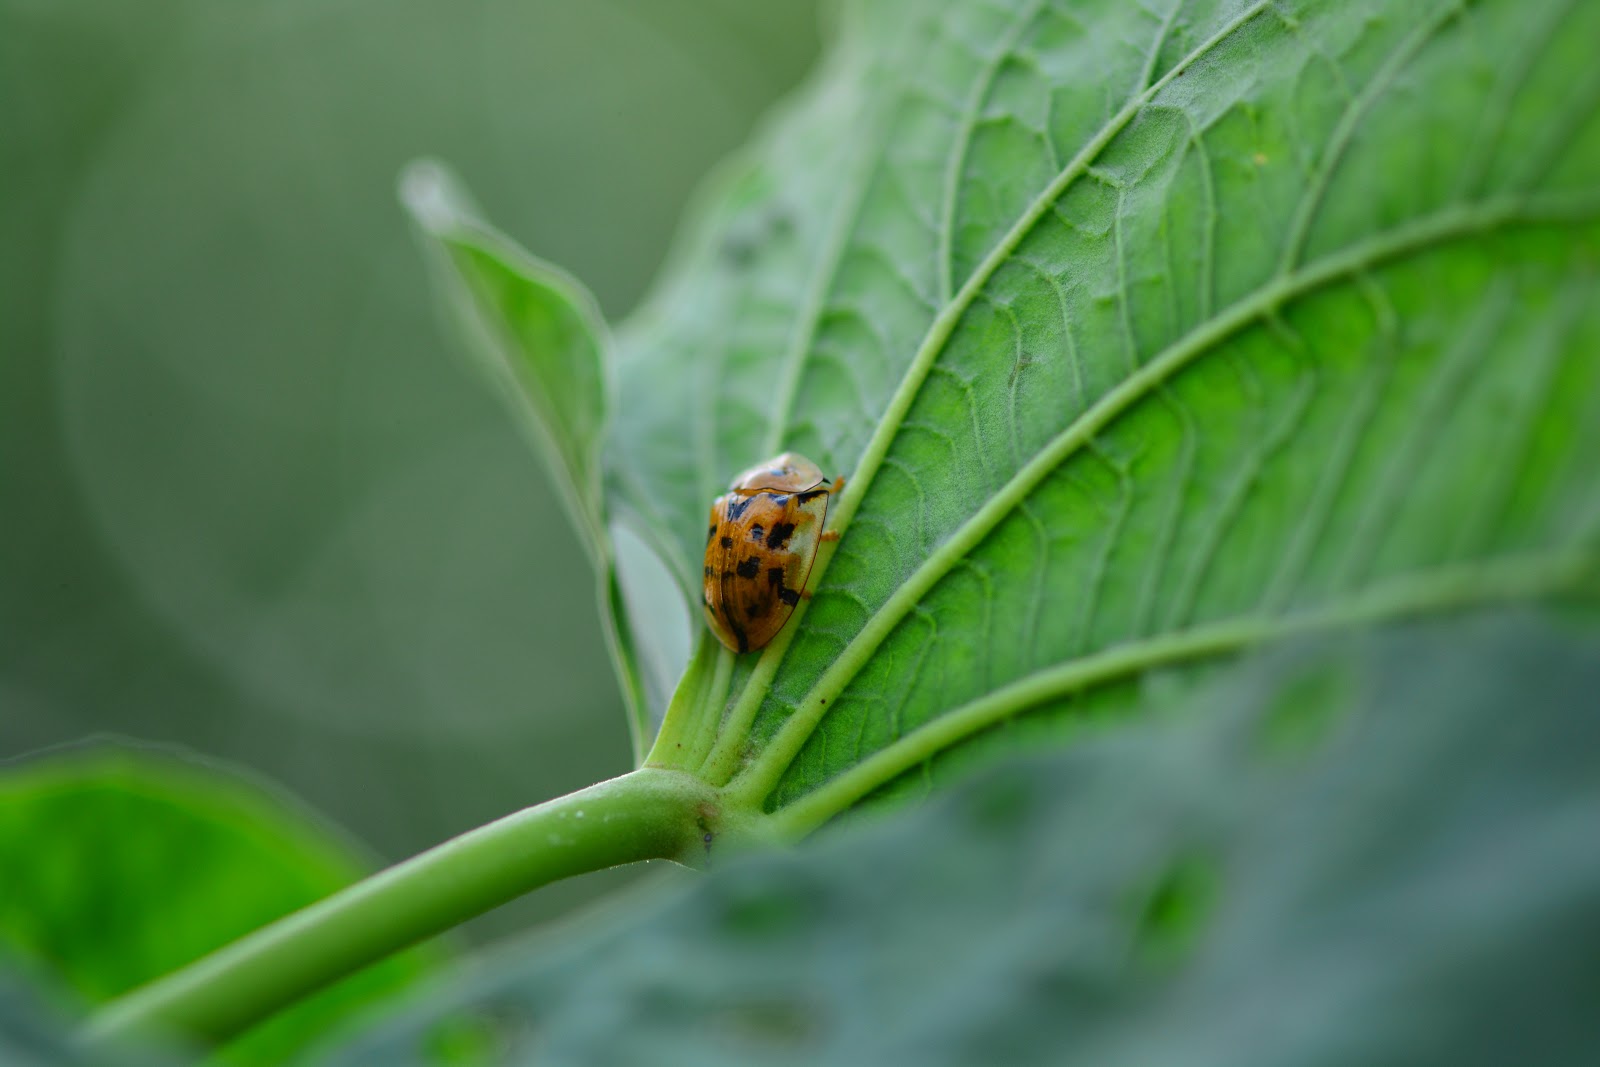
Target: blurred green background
251 501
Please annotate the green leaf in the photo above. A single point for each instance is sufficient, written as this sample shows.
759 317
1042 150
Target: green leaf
536 330
1145 333
1376 849
538 334
122 865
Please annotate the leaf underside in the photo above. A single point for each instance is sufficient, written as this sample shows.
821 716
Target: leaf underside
1143 334
1146 333
1367 850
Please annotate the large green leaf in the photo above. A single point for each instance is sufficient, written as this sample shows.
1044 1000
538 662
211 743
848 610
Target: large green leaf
1373 850
538 334
122 865
1144 333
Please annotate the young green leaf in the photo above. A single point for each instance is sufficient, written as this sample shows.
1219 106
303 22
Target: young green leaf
539 336
122 865
1356 851
536 330
1144 333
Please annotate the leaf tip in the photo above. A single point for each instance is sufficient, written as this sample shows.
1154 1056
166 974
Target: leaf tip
433 196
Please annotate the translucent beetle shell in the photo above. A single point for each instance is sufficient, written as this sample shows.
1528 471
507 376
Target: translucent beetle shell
762 540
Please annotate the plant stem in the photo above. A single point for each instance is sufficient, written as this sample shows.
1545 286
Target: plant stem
685 710
647 814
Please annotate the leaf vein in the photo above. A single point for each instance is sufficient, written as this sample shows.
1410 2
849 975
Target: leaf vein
1506 580
955 165
1339 142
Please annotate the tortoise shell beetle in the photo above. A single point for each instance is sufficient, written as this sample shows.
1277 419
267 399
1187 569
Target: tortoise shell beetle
763 537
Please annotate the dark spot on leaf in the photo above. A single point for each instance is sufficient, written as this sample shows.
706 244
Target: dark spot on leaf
1173 911
738 250
1305 714
749 568
763 913
774 1027
1003 805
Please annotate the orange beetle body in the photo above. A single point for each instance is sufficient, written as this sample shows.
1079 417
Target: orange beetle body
762 540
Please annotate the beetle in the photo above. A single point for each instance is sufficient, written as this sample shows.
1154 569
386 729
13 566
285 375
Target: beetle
762 540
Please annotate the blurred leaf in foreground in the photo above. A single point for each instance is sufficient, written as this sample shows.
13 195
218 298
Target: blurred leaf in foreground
36 1033
121 865
1370 849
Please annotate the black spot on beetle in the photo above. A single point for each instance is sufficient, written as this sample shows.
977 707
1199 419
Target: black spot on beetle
780 535
781 501
749 568
789 597
739 635
727 542
755 611
736 506
710 533
757 532
775 576
709 572
810 495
